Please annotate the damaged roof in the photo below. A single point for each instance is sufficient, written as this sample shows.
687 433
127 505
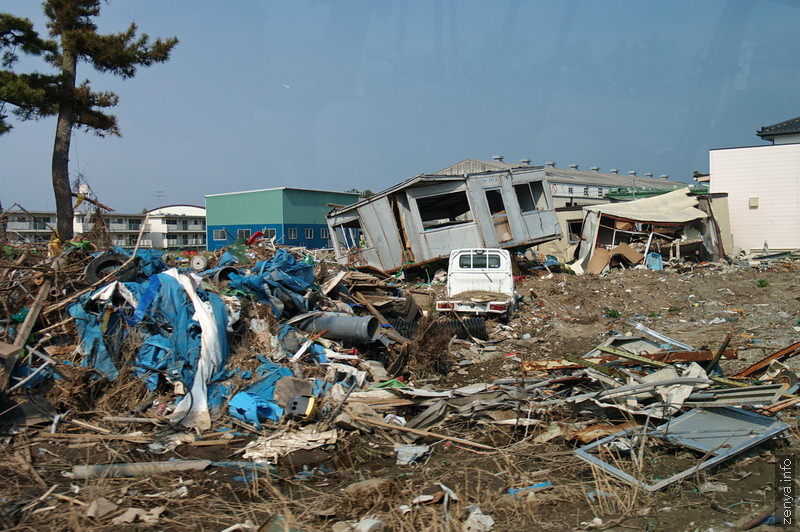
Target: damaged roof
678 206
787 127
476 166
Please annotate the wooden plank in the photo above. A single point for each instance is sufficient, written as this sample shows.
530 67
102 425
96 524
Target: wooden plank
658 364
421 432
786 352
331 284
22 334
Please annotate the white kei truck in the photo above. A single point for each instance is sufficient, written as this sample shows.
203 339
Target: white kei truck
479 282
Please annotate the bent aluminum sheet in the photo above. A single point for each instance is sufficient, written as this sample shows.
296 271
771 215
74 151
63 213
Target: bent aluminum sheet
721 433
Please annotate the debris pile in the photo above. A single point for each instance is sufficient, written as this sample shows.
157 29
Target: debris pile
323 398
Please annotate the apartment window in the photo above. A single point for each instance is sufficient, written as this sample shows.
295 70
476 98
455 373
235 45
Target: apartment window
40 224
531 196
323 233
243 234
444 210
585 191
268 232
600 192
570 190
309 233
134 224
292 234
172 221
219 234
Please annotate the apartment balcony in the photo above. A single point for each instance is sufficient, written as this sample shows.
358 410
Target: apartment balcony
192 228
124 228
144 243
19 226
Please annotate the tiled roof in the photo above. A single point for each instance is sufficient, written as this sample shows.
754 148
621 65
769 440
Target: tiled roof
781 128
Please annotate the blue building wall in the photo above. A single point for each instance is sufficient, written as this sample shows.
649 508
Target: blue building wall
283 234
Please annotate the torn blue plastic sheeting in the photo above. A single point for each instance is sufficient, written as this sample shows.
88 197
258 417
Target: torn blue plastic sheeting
253 409
539 486
150 293
151 261
654 261
319 352
173 338
152 360
269 374
256 403
92 345
227 260
280 279
218 394
23 371
293 272
320 388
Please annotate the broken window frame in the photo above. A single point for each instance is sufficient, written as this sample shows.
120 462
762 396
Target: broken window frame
350 234
574 236
718 454
533 197
424 202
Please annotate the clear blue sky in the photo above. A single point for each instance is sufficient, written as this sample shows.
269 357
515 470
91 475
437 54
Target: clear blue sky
336 94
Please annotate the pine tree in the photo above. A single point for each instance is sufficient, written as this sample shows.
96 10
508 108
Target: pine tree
75 40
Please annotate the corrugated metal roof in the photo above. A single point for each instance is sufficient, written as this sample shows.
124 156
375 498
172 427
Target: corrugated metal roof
476 166
787 127
565 175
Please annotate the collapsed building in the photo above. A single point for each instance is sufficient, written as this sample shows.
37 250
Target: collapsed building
676 225
425 217
477 203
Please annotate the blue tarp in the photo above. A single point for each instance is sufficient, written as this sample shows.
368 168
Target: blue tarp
279 282
256 403
164 316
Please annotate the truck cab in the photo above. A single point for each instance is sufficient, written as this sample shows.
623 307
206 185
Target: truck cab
479 281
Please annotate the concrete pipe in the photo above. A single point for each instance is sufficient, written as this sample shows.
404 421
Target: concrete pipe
341 326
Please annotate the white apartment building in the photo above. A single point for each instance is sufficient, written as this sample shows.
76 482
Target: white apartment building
170 227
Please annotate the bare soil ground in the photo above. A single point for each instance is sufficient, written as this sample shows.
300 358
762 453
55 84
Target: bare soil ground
562 314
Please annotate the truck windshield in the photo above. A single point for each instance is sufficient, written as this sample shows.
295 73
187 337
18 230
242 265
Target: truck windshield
469 260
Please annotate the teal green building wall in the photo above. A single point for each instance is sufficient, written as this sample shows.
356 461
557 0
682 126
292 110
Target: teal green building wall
296 217
245 208
307 206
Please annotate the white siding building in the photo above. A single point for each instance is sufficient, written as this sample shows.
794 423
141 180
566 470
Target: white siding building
763 187
176 227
